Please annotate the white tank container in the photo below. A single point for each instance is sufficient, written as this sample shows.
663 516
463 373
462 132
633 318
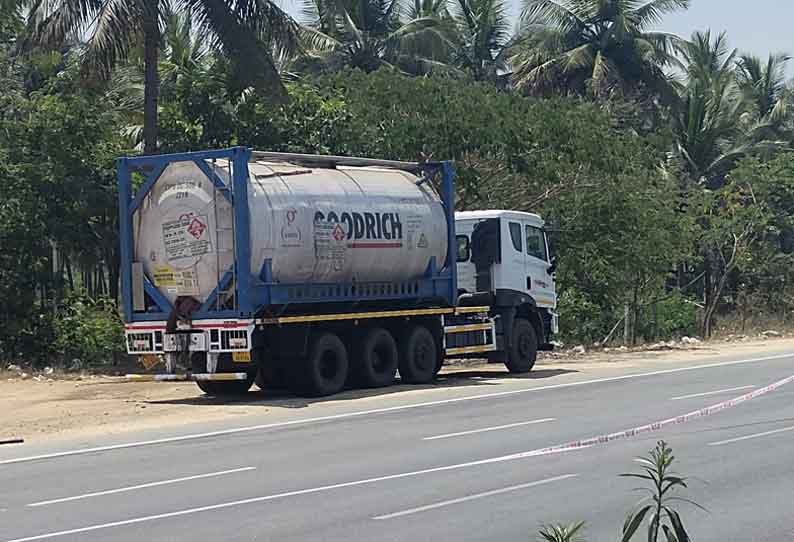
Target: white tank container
317 225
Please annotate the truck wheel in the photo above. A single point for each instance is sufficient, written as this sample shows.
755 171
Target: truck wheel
324 371
226 388
523 349
376 359
418 356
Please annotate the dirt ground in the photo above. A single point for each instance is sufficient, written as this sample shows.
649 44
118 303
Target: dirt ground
68 406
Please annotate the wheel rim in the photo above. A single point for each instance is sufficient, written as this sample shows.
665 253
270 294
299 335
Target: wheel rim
377 362
381 360
329 366
524 345
422 357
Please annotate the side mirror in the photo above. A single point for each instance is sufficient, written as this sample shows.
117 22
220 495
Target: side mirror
553 265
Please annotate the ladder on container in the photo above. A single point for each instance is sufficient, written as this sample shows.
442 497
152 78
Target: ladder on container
229 292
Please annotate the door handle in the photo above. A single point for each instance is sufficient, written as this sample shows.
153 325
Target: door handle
529 283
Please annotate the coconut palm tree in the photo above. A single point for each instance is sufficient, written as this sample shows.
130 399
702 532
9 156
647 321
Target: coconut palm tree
706 117
427 8
12 19
483 38
114 27
763 86
183 59
714 123
594 46
369 34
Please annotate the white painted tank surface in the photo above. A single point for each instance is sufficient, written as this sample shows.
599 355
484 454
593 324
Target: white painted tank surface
317 225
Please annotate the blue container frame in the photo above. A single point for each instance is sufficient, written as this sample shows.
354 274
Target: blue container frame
255 295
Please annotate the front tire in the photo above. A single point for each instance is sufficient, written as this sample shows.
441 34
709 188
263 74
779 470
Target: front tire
523 349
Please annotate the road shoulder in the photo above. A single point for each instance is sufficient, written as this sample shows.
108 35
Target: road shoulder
56 410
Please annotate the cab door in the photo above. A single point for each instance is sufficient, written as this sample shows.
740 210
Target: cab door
512 270
539 282
466 269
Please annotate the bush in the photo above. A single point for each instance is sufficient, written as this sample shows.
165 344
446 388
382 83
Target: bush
88 332
676 316
582 318
657 511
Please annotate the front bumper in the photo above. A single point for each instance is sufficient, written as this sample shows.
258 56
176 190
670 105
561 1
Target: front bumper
204 336
194 377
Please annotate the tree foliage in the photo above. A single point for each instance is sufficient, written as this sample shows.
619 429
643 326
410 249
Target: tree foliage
666 193
595 47
370 34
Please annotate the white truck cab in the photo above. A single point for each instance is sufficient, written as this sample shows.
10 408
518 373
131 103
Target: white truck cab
507 253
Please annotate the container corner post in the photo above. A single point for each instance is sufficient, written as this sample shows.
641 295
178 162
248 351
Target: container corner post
125 231
242 229
448 195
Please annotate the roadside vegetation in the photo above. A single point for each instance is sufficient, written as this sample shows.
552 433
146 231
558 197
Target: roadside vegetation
656 517
663 164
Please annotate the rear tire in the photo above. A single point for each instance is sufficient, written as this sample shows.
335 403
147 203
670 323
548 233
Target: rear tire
376 359
324 371
418 356
226 388
523 349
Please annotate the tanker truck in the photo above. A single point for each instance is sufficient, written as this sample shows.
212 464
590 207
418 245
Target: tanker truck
321 272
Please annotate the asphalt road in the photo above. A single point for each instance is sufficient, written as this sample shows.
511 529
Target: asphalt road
435 465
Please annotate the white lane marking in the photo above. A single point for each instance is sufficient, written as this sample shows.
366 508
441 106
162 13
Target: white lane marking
475 496
748 437
346 415
142 486
710 393
494 428
132 521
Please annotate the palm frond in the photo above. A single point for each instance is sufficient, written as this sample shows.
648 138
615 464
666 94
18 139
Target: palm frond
553 13
427 37
70 16
580 58
652 13
250 30
116 25
604 75
537 74
313 40
427 8
415 65
663 46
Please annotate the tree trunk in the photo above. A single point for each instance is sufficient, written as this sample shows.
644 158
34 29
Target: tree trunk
626 324
151 44
69 274
708 281
634 316
103 287
112 259
88 284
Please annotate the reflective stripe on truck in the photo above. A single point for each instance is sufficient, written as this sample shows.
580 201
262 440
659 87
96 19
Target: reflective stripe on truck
371 314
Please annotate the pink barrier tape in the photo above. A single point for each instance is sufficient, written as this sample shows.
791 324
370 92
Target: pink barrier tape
628 433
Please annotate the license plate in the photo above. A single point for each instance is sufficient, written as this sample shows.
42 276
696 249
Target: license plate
241 357
149 360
